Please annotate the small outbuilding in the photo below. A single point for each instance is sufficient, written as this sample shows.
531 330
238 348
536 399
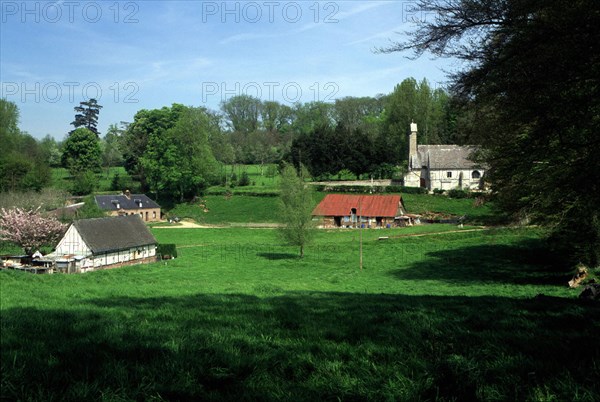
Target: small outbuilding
129 204
373 211
101 243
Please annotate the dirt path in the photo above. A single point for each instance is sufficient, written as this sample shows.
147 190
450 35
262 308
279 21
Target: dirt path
189 225
439 233
193 225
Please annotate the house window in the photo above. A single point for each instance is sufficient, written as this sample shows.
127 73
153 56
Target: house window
475 174
448 174
153 214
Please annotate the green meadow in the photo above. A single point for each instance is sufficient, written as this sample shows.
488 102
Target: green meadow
244 208
436 314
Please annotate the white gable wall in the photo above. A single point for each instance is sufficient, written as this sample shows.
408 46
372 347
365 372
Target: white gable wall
72 243
439 179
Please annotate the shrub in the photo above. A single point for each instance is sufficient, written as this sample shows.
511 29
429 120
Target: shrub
121 183
84 183
244 180
370 189
167 249
405 190
458 193
271 171
345 174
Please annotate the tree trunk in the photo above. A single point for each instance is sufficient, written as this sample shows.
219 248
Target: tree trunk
302 251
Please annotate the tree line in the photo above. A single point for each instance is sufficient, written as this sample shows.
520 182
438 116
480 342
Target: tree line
178 150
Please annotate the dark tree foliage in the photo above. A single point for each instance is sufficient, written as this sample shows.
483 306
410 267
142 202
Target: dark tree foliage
328 150
81 152
532 87
146 123
23 165
87 116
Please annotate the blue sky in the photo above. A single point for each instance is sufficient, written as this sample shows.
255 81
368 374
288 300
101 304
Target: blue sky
134 55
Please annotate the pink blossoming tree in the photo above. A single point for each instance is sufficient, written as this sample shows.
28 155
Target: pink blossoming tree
29 229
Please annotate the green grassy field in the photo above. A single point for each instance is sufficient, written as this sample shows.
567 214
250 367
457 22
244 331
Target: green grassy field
238 316
61 179
241 208
262 180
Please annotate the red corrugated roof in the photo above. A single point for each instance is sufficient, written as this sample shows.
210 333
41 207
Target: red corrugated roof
366 205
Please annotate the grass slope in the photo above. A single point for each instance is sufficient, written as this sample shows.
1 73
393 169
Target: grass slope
241 208
61 179
450 316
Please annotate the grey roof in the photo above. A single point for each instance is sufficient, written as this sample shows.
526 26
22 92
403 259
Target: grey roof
115 233
444 157
110 202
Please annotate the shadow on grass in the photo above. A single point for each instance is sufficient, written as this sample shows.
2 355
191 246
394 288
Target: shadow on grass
279 256
302 346
527 263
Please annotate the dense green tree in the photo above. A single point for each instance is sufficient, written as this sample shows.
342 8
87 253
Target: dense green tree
222 148
412 102
87 116
309 116
50 151
357 113
296 205
111 148
22 162
82 152
14 167
276 117
276 135
178 162
532 81
242 113
319 150
9 120
146 124
84 182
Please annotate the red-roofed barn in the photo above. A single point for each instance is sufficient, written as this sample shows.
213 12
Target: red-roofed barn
343 210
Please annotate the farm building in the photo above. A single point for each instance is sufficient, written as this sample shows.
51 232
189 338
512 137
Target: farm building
102 243
343 210
129 204
443 167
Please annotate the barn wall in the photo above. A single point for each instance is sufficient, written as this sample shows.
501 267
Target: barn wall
72 244
146 260
369 222
124 256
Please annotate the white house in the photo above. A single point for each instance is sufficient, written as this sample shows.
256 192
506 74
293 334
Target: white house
106 243
442 167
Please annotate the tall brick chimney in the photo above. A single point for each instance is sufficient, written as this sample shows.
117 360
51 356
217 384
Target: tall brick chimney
412 144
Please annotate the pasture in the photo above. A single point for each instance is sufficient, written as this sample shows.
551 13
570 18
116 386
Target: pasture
244 208
452 315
